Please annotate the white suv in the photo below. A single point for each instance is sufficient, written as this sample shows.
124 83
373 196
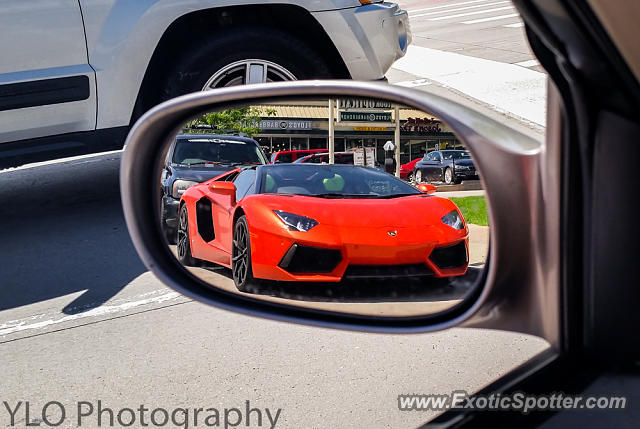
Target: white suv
75 74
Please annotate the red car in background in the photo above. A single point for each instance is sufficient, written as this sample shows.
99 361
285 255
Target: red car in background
406 170
287 156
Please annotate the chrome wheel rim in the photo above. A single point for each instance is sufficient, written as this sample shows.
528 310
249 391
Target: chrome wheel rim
240 256
418 176
183 233
248 71
447 176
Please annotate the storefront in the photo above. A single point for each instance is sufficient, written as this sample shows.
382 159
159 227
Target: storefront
297 127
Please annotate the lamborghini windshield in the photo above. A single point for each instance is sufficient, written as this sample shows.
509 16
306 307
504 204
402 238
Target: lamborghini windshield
332 181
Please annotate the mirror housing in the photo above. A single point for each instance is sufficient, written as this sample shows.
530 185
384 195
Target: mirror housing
426 188
224 188
499 151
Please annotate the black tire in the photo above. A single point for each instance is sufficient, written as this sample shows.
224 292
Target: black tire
171 235
411 177
204 60
241 257
184 239
448 178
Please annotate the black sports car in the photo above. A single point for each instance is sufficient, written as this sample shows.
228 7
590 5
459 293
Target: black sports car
195 158
448 166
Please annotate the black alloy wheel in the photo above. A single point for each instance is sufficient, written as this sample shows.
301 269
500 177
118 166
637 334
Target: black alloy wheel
241 257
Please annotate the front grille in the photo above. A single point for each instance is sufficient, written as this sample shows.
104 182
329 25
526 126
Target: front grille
450 256
308 259
386 271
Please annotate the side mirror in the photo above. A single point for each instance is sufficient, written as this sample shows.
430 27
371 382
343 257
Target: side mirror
372 254
224 188
426 188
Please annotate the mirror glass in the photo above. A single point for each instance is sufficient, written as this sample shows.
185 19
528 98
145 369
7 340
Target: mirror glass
351 205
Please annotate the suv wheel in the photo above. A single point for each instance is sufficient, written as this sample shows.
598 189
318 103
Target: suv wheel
240 56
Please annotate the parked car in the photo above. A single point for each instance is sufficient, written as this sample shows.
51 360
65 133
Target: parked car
448 166
297 226
339 158
285 156
92 73
407 171
195 158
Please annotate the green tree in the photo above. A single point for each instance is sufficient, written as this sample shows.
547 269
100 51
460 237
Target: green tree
242 120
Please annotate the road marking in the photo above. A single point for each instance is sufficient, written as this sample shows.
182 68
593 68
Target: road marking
477 12
116 306
493 18
516 25
413 83
507 88
528 63
446 6
460 8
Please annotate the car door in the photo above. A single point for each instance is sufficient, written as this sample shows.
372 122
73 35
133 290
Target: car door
47 86
428 167
222 211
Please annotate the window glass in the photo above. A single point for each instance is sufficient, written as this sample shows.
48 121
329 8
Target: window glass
243 182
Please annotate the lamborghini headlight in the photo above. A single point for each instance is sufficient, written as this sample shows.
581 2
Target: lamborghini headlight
179 186
453 219
296 222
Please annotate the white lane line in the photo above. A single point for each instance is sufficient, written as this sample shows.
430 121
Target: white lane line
445 6
515 90
413 83
493 18
528 63
30 323
516 25
477 12
460 8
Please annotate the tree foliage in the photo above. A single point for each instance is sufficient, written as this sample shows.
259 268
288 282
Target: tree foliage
241 120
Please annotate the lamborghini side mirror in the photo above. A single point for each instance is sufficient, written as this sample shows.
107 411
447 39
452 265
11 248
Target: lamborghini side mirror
427 188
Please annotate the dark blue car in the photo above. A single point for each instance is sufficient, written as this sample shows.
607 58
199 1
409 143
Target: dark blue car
447 166
196 158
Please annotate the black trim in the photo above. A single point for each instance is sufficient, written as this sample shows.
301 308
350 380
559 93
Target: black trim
21 152
44 92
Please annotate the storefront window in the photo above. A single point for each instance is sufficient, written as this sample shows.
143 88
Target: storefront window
280 143
299 143
265 143
318 143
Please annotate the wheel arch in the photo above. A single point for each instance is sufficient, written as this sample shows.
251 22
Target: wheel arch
192 27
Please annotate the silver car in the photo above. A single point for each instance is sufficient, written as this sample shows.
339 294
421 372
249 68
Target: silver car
75 74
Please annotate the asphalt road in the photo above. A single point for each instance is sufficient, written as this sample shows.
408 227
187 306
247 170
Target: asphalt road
81 319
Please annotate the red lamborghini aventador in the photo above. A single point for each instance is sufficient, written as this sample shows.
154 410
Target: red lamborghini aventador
319 223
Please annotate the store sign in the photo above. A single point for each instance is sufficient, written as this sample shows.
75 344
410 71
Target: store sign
364 156
365 116
421 125
276 124
363 103
369 128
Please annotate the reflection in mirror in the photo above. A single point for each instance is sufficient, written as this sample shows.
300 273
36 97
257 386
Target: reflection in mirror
351 205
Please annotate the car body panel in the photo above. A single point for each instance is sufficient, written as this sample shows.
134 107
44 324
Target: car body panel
406 169
44 40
